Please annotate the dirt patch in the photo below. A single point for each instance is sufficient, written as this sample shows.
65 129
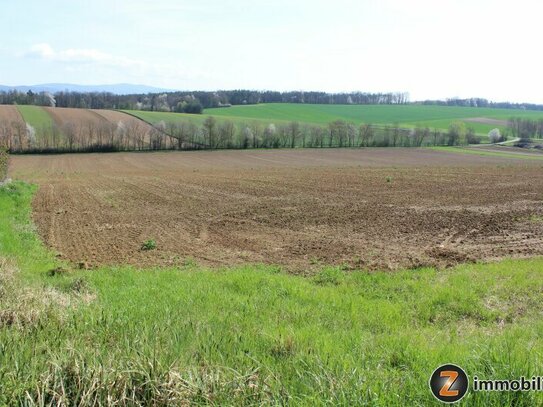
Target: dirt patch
509 149
486 120
10 114
64 116
374 208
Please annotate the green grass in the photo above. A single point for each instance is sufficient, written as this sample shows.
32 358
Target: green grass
439 117
35 116
254 335
407 115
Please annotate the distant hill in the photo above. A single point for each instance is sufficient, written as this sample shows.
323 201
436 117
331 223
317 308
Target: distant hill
118 89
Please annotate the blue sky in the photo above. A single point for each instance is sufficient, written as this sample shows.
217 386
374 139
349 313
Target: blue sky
429 48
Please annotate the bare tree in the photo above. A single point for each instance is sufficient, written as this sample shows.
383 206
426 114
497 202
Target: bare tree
227 132
256 131
210 131
366 135
294 133
270 136
396 134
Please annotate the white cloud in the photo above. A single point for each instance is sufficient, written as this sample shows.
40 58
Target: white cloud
115 68
81 55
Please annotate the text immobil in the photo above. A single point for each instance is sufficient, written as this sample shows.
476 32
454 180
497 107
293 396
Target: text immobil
535 383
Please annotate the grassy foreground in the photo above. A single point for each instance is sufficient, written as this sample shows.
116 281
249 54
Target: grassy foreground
254 335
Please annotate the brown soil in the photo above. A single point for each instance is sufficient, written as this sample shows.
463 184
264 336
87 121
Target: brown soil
113 116
531 152
486 120
83 117
374 208
9 114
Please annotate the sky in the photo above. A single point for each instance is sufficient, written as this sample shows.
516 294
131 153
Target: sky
433 49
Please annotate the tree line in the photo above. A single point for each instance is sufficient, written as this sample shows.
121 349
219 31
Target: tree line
194 101
481 102
18 137
525 129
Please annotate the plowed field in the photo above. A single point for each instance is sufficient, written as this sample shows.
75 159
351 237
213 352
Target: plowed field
10 114
375 208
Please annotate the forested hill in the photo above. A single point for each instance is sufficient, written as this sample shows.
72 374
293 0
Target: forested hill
192 101
196 101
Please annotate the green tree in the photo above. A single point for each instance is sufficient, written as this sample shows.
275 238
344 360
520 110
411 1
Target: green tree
456 134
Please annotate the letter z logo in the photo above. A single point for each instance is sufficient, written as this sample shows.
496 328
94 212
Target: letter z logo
449 383
446 391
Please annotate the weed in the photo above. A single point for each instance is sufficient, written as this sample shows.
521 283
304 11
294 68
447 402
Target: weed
283 347
148 245
329 275
4 161
189 262
58 271
79 285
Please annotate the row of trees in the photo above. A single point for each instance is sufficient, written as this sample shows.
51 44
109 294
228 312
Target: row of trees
481 102
213 134
525 129
194 101
81 137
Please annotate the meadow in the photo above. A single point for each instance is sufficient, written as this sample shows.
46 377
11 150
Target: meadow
406 115
36 116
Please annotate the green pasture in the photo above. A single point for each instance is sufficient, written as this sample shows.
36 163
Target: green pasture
406 115
35 116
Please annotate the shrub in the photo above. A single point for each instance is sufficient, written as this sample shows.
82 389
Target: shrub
148 245
495 136
472 138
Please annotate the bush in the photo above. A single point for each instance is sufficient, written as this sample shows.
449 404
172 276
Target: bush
472 138
495 136
4 160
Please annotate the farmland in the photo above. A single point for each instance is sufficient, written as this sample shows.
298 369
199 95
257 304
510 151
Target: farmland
65 129
482 120
406 115
266 283
258 126
36 116
282 208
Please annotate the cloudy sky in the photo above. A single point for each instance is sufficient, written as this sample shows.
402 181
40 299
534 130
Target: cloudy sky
429 48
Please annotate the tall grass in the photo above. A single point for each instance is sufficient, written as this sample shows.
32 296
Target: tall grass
4 162
254 335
